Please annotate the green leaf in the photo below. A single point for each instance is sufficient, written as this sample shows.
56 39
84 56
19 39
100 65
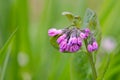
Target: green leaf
91 21
69 15
80 67
3 71
5 51
7 43
114 66
53 41
90 18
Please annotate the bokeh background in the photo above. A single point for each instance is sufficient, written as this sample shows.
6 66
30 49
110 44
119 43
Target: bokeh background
25 51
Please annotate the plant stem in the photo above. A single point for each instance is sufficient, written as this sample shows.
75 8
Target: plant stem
92 65
90 57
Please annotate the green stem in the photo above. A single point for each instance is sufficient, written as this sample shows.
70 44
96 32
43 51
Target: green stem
90 57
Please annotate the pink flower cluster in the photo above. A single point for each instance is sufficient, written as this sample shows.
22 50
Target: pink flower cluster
70 39
92 47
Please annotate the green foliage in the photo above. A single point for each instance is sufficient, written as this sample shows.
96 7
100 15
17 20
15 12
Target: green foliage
53 42
80 67
103 67
91 21
7 43
113 70
31 40
69 15
5 51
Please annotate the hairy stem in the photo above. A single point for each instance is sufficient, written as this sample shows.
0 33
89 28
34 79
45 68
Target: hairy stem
92 65
90 57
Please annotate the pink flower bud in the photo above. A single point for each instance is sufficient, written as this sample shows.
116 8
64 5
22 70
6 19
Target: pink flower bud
90 48
53 32
63 44
95 45
87 30
82 35
79 41
72 40
67 48
74 48
61 38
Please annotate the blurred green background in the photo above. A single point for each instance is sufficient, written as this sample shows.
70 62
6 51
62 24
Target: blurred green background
26 53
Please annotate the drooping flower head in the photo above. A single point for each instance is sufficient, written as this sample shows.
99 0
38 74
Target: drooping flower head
71 39
92 45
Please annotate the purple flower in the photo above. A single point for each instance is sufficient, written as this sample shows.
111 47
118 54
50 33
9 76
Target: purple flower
95 45
63 44
71 49
82 35
87 30
53 32
79 41
59 31
90 48
74 48
61 38
72 40
86 35
67 48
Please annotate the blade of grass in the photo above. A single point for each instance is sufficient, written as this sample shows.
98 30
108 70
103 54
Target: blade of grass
7 42
104 67
5 63
4 48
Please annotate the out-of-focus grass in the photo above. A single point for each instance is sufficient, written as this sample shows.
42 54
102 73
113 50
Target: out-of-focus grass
32 57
